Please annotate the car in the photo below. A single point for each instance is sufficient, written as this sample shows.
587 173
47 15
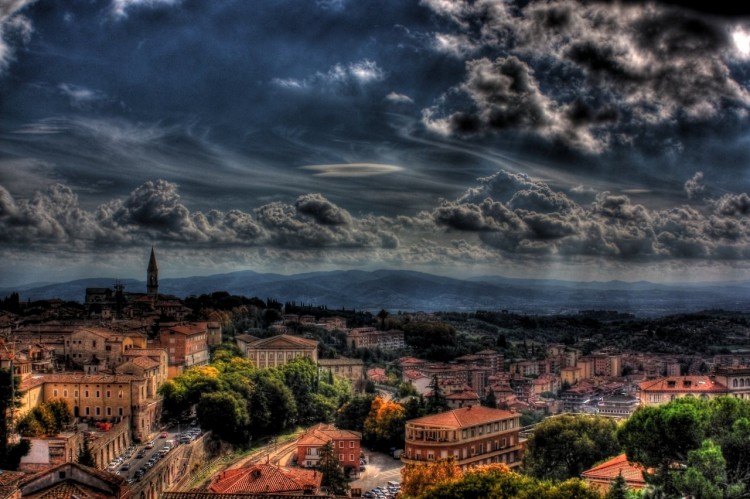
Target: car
163 434
125 467
141 454
150 445
361 467
184 440
394 483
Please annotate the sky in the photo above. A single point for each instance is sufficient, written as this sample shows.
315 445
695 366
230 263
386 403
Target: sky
564 139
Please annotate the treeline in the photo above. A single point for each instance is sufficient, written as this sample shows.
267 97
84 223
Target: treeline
239 402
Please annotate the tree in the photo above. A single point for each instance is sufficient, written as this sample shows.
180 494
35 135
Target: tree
499 482
564 446
333 476
85 456
490 400
10 399
382 315
226 415
437 401
416 478
619 489
384 425
352 415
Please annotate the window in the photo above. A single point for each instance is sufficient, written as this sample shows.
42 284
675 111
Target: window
120 411
109 411
86 394
351 444
341 457
97 394
341 444
87 411
109 394
93 344
98 411
119 394
75 394
351 457
54 393
65 393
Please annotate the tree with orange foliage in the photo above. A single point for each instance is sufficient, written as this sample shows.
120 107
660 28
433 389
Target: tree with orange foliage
384 425
497 481
418 477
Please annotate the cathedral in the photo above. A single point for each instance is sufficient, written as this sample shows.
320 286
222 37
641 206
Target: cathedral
117 303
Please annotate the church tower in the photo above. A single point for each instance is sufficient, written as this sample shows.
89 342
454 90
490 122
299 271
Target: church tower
152 278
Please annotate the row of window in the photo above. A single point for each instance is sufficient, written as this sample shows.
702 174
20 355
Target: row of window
279 355
466 452
87 393
98 411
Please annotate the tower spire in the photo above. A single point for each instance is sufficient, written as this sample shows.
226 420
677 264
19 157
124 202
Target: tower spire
152 275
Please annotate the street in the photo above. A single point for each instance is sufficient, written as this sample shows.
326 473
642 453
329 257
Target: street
380 469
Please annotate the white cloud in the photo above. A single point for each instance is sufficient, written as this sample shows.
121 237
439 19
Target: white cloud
15 29
399 98
120 7
338 78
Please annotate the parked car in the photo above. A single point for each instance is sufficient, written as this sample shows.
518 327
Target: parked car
150 445
163 434
125 467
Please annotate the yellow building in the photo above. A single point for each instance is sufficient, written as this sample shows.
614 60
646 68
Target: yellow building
97 397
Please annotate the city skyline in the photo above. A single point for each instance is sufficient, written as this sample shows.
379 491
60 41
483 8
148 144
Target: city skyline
566 140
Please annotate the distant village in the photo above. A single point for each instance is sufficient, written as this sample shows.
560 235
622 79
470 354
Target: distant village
107 359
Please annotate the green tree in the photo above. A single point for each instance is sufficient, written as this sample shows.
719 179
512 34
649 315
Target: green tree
333 476
352 415
564 446
436 401
618 489
10 399
490 400
226 415
301 377
85 456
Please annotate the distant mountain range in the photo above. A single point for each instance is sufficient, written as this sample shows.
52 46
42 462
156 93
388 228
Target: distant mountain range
411 291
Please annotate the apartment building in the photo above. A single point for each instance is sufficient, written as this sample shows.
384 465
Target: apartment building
472 435
662 390
187 346
353 370
346 445
369 337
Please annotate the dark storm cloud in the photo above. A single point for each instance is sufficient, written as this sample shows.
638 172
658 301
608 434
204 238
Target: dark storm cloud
154 212
612 226
626 65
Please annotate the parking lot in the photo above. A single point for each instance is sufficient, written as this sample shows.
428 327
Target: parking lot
380 469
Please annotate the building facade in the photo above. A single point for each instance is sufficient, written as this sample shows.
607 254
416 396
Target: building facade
187 346
662 390
278 350
346 445
472 435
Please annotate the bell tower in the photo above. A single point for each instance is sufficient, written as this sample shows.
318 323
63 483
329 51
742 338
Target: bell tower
152 277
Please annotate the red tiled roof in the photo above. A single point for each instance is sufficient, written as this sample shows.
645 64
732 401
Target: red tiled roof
39 379
266 478
144 352
466 416
189 329
608 471
682 384
465 395
322 433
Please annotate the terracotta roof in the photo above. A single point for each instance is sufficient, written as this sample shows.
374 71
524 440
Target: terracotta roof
465 395
608 471
67 490
682 384
266 478
145 362
10 477
247 338
204 494
144 352
69 487
322 433
189 329
486 352
466 416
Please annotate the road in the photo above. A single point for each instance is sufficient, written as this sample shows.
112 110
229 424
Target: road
380 469
159 443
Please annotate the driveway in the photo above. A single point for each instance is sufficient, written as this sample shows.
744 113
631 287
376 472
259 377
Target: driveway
379 470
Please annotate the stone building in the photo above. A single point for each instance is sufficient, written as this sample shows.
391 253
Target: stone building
662 390
278 350
346 446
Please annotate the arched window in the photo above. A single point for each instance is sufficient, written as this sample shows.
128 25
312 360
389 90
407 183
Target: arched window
734 383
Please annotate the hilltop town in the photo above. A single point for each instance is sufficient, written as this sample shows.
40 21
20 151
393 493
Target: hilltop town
143 394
